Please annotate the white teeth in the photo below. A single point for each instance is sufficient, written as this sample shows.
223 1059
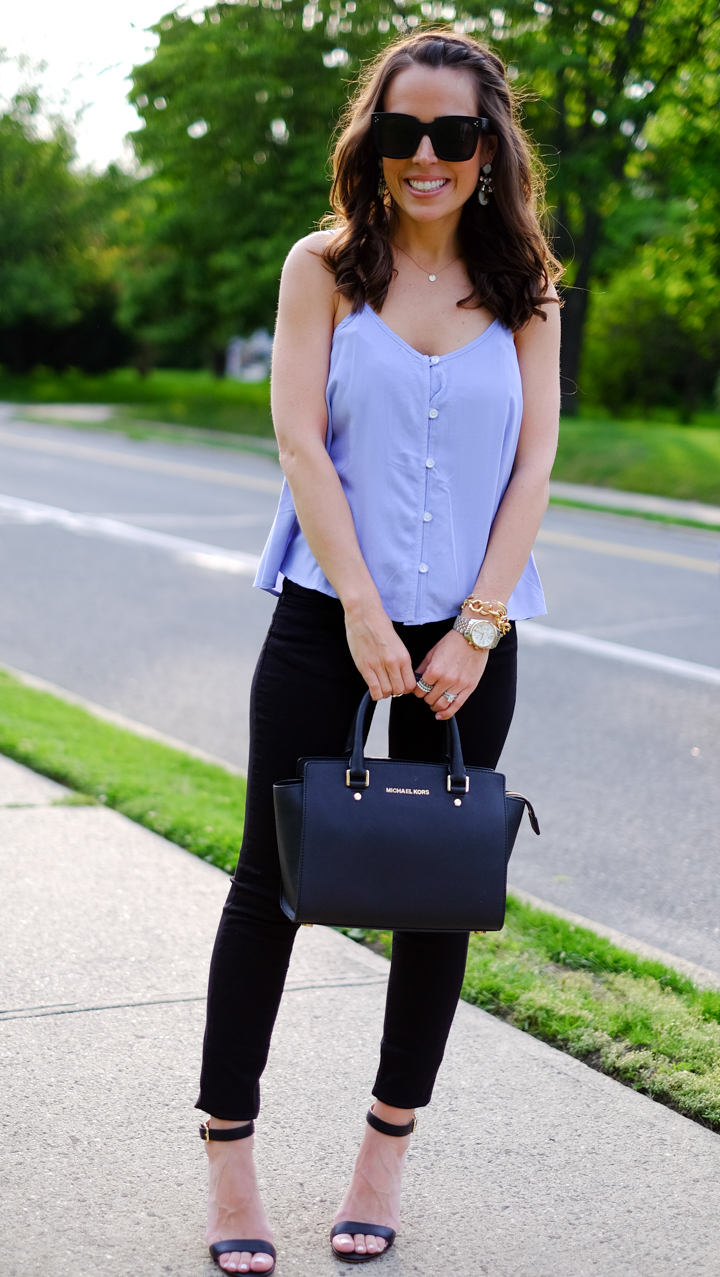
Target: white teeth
427 186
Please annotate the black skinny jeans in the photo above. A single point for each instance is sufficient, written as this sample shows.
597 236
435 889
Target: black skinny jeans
305 692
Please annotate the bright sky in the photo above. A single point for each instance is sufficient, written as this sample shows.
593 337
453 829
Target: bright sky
89 47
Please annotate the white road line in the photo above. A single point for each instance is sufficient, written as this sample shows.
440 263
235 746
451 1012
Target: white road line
621 551
197 552
131 461
543 634
219 559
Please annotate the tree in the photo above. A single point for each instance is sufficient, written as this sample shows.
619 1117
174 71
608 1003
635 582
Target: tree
239 101
603 84
238 110
57 297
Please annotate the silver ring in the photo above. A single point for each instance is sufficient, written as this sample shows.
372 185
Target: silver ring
425 687
450 697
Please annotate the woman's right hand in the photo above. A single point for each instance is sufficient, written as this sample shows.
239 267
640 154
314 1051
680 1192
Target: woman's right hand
379 653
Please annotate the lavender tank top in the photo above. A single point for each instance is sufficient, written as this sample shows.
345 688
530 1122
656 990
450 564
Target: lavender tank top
424 447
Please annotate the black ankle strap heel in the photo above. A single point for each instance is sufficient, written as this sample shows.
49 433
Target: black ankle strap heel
208 1133
389 1128
351 1226
253 1245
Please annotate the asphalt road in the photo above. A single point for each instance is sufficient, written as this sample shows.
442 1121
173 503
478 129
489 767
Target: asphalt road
621 761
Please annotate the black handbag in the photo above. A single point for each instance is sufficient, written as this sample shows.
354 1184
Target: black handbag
385 843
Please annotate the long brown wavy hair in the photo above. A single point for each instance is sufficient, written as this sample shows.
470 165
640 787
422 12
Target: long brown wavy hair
506 255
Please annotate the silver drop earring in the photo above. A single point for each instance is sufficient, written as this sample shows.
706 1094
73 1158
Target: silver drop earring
382 185
484 186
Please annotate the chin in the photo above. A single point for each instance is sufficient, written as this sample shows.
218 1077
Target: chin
425 211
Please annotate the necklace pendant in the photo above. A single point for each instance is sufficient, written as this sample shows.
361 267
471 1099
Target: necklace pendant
432 278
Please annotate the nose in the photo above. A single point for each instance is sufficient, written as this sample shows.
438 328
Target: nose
425 153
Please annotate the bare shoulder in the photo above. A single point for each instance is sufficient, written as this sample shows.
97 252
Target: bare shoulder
305 265
542 332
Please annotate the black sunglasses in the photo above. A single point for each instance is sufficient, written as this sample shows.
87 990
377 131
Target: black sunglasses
454 137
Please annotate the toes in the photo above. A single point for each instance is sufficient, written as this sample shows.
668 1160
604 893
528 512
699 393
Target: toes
245 1262
344 1243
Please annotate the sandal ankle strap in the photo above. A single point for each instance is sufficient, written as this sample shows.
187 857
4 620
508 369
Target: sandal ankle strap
389 1128
226 1132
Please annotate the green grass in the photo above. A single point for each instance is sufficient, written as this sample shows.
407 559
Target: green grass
195 804
662 460
179 398
633 1019
657 455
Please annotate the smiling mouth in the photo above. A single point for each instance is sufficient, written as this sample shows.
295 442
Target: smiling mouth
417 184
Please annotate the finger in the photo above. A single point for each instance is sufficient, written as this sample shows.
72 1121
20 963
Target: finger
443 681
378 683
422 692
440 682
445 711
440 703
397 679
409 681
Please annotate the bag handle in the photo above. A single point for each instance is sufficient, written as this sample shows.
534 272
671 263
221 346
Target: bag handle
357 775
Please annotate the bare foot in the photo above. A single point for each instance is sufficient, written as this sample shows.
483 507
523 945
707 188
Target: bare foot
374 1192
234 1205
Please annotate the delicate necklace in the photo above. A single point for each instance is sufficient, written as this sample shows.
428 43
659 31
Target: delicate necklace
432 278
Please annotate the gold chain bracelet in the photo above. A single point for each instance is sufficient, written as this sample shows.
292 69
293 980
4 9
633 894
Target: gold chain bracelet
497 611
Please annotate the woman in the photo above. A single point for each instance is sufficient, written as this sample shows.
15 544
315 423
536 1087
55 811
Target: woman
415 399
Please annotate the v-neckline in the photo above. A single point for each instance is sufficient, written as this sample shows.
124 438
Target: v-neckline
406 344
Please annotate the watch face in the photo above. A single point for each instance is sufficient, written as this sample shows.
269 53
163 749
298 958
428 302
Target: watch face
483 634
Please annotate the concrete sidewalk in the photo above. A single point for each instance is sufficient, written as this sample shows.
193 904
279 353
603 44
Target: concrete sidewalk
528 1164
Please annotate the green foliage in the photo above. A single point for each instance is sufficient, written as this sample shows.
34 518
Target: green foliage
179 397
653 333
224 207
628 1016
621 101
127 386
57 295
668 461
195 804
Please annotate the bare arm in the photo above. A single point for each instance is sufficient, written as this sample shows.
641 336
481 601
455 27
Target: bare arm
452 664
301 359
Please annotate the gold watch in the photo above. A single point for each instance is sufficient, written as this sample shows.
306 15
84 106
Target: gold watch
482 634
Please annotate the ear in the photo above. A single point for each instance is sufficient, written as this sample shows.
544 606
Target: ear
488 148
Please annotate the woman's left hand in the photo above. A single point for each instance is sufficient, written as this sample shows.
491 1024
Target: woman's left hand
451 666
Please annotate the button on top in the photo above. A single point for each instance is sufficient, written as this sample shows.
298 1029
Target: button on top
429 463
423 567
434 359
433 413
427 517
